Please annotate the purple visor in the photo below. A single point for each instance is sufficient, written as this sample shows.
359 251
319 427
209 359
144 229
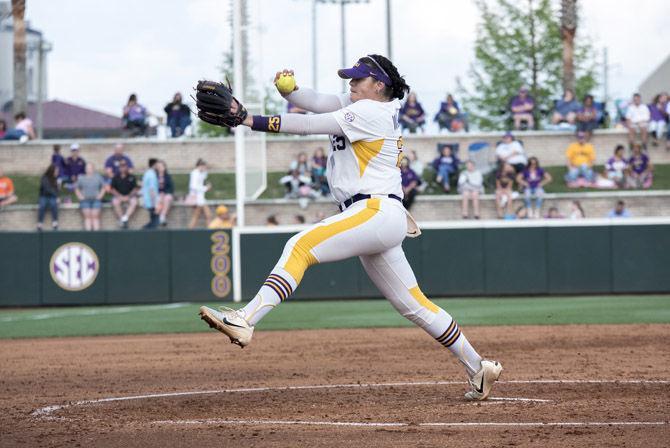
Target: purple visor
362 70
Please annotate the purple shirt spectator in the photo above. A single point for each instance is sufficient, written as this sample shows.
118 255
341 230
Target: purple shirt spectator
114 160
412 111
137 112
534 178
518 101
408 176
616 165
656 114
59 161
75 167
639 163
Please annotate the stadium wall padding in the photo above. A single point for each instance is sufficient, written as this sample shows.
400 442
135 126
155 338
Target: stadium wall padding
93 268
96 268
493 261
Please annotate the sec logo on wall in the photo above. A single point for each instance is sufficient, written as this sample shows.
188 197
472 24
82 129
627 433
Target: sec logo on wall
74 266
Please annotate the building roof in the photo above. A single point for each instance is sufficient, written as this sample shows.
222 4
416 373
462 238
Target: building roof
658 81
61 115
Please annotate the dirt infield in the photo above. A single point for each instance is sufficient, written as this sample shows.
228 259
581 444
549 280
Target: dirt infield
42 381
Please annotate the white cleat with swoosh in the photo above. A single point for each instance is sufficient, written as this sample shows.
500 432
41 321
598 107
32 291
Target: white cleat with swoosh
229 322
482 381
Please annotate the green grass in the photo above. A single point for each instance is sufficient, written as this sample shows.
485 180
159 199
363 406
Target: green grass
182 318
223 184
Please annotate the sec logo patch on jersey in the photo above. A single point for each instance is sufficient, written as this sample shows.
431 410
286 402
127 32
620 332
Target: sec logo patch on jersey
348 116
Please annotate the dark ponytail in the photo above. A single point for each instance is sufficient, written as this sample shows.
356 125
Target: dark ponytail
399 87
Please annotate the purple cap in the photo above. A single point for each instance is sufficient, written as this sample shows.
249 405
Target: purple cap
362 70
508 134
581 134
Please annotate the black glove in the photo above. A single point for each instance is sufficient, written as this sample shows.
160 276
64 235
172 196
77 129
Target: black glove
214 101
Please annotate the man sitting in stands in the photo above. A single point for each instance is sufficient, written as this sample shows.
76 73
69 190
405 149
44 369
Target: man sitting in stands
510 151
522 107
587 117
637 120
566 109
581 156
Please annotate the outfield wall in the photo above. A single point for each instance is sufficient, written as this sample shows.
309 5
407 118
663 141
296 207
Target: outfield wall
495 258
465 259
94 268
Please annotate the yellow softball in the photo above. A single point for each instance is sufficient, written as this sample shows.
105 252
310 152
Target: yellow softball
285 84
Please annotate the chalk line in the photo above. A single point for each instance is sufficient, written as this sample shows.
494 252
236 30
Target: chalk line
401 424
47 411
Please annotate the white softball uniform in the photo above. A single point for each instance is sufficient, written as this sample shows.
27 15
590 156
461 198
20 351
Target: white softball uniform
363 161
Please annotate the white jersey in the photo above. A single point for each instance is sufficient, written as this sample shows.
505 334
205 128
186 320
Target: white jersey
365 159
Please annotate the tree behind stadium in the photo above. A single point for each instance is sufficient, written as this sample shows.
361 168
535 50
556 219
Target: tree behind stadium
519 43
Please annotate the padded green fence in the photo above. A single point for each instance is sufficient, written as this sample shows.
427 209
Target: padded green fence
92 268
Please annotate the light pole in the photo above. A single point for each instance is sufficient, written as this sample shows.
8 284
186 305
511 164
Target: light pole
343 29
42 50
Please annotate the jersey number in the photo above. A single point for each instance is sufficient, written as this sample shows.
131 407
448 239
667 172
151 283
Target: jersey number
337 142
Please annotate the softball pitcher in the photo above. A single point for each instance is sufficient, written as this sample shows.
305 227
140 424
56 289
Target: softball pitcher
364 178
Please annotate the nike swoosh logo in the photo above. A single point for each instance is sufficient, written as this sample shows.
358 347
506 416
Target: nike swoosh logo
480 389
227 322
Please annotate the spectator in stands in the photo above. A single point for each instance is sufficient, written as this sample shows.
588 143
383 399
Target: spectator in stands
637 120
587 117
412 115
75 166
198 187
511 151
124 190
522 107
301 164
3 128
59 161
114 161
297 185
504 189
165 192
617 167
271 221
178 116
300 219
553 213
150 193
223 219
566 109
48 197
446 165
90 190
576 210
7 195
135 116
410 183
658 117
319 163
470 185
449 116
532 180
415 164
619 211
640 169
23 129
581 156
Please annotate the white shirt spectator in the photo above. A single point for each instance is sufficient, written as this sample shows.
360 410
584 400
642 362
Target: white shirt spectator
471 181
197 186
638 114
511 153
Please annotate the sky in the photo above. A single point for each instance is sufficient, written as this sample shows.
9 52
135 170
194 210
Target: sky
103 50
